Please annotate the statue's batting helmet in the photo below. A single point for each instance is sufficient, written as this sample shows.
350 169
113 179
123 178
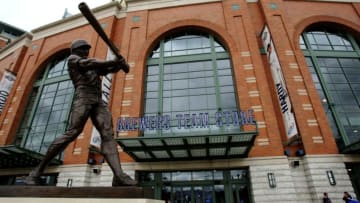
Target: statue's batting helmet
79 43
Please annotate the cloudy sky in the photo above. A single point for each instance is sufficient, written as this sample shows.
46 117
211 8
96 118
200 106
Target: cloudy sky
28 15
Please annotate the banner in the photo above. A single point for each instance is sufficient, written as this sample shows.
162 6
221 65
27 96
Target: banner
6 84
106 91
280 86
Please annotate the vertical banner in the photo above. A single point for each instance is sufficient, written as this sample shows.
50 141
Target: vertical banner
280 86
6 84
106 91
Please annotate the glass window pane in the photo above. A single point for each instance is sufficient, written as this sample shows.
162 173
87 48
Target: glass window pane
151 105
181 176
180 104
58 68
152 86
153 70
178 44
202 175
197 102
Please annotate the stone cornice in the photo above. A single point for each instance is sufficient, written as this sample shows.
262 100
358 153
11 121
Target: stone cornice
110 9
24 40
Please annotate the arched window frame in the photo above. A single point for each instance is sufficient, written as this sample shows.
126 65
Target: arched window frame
216 52
54 73
313 56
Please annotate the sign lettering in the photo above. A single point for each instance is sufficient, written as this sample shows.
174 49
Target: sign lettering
185 121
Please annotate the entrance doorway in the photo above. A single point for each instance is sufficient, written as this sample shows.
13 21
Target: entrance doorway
194 194
215 186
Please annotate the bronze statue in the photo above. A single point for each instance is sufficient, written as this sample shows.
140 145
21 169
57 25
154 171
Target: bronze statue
85 74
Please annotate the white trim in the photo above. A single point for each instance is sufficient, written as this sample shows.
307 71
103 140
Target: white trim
138 5
110 9
344 1
25 40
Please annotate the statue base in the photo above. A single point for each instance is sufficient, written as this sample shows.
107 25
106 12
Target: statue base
53 194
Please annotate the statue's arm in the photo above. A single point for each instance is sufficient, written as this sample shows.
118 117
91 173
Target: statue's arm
103 67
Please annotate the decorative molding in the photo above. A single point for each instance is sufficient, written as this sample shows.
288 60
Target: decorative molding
307 107
126 103
257 108
317 139
254 93
250 80
312 122
293 66
248 67
261 124
245 54
302 92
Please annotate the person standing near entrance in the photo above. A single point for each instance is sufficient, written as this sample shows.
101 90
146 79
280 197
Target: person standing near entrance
85 75
349 199
326 198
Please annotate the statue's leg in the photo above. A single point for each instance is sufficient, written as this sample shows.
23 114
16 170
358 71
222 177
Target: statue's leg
78 118
109 150
54 149
102 120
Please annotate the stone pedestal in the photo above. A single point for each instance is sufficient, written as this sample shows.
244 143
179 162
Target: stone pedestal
39 194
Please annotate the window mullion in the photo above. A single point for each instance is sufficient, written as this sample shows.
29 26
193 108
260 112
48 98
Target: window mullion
342 54
354 44
328 39
66 121
56 80
348 81
216 77
47 122
161 81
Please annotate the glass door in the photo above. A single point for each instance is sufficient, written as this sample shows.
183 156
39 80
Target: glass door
191 194
206 186
240 193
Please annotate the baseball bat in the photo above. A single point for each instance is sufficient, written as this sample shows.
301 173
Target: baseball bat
85 10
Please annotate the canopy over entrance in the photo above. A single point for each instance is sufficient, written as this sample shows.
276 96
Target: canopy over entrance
173 148
17 157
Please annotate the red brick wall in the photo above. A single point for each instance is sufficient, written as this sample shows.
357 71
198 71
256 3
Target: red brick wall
2 43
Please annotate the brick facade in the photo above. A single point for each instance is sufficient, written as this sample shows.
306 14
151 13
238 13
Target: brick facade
237 23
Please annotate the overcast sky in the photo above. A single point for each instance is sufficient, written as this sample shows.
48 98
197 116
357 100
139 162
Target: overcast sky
28 15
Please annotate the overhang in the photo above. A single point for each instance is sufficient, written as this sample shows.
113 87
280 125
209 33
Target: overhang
174 148
17 157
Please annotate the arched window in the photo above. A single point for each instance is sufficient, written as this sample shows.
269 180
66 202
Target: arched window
189 74
333 60
48 108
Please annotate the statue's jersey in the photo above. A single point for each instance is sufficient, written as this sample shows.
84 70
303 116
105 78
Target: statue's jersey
86 80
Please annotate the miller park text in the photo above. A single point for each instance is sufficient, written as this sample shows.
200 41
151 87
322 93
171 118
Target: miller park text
186 121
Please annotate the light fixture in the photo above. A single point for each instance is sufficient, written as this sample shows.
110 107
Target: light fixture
331 177
272 180
287 152
69 183
300 152
96 170
295 163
